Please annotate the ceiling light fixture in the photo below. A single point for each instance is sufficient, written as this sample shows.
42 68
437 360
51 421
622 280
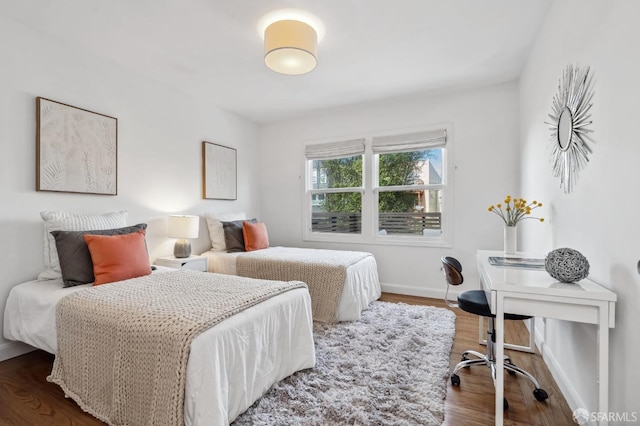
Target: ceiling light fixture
291 41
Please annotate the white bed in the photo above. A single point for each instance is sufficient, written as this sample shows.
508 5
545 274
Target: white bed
361 287
230 365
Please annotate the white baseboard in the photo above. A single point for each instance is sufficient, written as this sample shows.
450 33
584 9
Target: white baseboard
420 292
569 392
13 349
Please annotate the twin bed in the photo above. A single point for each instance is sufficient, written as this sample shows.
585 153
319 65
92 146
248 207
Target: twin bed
341 283
229 365
351 293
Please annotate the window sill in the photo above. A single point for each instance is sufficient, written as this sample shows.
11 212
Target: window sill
386 240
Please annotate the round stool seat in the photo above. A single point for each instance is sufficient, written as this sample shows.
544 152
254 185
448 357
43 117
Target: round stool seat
475 302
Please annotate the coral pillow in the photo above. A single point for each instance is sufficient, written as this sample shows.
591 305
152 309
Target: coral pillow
118 257
255 236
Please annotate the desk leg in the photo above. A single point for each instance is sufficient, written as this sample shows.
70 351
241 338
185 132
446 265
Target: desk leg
532 337
499 348
603 363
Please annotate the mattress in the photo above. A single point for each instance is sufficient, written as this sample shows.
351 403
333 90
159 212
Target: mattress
230 365
361 287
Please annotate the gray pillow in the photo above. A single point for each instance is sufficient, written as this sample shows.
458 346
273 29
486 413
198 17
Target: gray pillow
75 260
233 236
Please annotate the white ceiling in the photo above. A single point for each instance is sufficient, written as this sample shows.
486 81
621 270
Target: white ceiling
372 50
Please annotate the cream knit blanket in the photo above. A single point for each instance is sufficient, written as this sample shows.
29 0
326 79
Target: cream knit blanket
123 347
324 272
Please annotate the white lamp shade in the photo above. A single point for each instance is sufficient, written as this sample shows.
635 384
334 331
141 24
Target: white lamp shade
184 226
290 47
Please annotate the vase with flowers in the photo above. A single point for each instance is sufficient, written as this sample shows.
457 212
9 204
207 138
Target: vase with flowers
513 211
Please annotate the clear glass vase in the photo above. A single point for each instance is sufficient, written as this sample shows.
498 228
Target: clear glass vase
510 239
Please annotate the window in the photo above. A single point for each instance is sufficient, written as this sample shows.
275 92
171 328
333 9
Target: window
379 189
336 197
409 183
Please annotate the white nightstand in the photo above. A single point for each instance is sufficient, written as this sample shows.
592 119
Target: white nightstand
195 263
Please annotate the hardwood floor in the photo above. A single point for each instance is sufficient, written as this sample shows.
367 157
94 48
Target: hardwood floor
26 398
472 403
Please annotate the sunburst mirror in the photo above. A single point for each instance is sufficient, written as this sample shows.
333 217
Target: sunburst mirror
569 125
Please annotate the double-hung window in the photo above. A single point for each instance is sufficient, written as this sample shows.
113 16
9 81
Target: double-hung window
409 183
334 195
383 189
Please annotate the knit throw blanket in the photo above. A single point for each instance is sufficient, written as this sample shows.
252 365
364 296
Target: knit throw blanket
324 272
123 347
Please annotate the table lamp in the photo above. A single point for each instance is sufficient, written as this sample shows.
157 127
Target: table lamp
183 227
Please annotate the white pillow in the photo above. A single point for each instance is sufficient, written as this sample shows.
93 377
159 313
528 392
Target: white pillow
216 232
67 221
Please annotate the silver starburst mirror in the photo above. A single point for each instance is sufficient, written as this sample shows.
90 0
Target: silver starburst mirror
569 125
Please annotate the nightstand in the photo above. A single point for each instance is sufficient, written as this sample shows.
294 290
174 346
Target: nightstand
195 263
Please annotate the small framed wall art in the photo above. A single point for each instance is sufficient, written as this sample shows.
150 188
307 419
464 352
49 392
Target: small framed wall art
219 172
76 149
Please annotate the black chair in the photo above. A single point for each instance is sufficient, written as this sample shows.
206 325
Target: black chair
475 302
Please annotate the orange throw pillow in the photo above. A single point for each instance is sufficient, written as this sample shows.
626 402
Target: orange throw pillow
255 236
118 257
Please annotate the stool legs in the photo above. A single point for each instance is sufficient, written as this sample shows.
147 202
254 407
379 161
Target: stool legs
488 360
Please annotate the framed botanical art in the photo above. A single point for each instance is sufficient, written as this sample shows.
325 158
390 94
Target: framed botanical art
76 149
219 172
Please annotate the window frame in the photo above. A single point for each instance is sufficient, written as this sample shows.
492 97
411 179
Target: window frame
309 234
370 191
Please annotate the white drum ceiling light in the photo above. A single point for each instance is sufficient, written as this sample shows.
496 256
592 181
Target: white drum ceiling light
291 39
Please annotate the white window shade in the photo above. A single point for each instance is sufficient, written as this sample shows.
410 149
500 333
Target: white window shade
409 141
335 149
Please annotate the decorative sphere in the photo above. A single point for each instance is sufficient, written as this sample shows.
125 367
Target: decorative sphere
566 265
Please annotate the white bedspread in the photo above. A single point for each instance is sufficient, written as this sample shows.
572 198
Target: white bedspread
230 365
361 287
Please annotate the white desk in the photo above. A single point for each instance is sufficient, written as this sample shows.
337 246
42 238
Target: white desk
536 293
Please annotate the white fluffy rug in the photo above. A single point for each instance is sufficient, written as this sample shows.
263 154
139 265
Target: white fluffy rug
388 368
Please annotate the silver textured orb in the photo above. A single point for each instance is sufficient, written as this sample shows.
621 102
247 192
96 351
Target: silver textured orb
566 265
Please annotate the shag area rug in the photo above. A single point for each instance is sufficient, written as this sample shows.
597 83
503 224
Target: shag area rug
388 368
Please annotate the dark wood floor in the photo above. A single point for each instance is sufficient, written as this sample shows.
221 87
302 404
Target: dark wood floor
26 398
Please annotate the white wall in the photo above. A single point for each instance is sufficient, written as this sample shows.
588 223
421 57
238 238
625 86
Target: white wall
600 218
484 148
159 146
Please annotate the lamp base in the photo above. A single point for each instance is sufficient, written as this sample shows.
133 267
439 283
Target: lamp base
182 249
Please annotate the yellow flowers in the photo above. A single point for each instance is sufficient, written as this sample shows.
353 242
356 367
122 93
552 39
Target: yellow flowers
515 210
